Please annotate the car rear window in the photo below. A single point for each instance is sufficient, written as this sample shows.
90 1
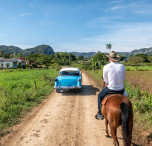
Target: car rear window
69 73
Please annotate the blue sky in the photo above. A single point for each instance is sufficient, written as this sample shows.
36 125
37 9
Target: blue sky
77 25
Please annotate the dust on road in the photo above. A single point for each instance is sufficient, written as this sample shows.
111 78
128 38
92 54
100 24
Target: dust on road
64 119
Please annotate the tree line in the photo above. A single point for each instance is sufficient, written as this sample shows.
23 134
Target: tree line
140 58
64 58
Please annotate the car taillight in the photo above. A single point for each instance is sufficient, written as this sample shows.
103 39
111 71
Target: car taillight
79 79
55 79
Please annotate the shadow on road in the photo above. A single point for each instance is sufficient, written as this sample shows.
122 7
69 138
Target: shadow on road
85 91
133 144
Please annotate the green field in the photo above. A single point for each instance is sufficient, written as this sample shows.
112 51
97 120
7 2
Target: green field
139 68
20 90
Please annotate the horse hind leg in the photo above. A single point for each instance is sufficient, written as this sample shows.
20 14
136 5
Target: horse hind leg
114 134
106 123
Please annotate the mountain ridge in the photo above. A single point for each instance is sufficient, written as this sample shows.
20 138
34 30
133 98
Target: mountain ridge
46 49
147 51
40 49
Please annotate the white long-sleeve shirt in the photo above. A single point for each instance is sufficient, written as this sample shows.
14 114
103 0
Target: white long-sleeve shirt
114 75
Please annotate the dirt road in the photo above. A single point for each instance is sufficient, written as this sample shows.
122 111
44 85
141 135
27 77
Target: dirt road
64 119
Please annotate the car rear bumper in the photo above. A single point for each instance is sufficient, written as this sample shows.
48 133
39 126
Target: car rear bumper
67 87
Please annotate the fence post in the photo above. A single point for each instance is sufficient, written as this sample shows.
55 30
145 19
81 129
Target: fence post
35 85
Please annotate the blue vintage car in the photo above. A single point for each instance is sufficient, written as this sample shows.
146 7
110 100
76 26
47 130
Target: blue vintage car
69 78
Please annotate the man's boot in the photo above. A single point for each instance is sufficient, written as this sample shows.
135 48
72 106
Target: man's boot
99 116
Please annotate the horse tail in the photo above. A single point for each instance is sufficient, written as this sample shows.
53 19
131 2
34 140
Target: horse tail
125 113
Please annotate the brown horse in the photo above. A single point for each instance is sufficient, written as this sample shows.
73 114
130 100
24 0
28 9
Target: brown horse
117 110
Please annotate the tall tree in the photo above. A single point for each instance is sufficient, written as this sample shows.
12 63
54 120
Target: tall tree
108 46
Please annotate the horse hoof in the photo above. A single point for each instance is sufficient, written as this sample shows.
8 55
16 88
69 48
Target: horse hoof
107 135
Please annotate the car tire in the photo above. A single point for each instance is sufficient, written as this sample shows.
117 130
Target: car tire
57 90
80 90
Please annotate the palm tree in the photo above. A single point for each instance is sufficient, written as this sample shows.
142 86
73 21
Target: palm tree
108 46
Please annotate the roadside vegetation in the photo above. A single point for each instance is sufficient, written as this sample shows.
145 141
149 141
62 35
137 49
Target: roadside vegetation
20 90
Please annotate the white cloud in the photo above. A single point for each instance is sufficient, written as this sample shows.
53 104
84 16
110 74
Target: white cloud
22 15
115 1
25 14
124 39
117 7
134 7
104 22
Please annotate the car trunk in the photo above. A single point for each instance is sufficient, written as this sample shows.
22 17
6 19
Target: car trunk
68 80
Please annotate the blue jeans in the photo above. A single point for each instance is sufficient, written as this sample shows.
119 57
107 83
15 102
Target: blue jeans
103 93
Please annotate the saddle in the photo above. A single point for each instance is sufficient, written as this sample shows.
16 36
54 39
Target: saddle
108 96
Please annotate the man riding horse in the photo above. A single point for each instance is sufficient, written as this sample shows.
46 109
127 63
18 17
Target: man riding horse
113 76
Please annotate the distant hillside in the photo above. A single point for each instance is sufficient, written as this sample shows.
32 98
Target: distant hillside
126 54
41 49
10 49
84 54
147 51
46 49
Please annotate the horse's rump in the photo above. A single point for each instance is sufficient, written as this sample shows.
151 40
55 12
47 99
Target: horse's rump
115 98
111 107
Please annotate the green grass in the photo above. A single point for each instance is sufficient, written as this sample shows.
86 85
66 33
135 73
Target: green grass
20 90
138 68
96 74
142 103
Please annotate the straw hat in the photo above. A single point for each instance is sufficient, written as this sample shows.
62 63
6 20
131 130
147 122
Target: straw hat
113 56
